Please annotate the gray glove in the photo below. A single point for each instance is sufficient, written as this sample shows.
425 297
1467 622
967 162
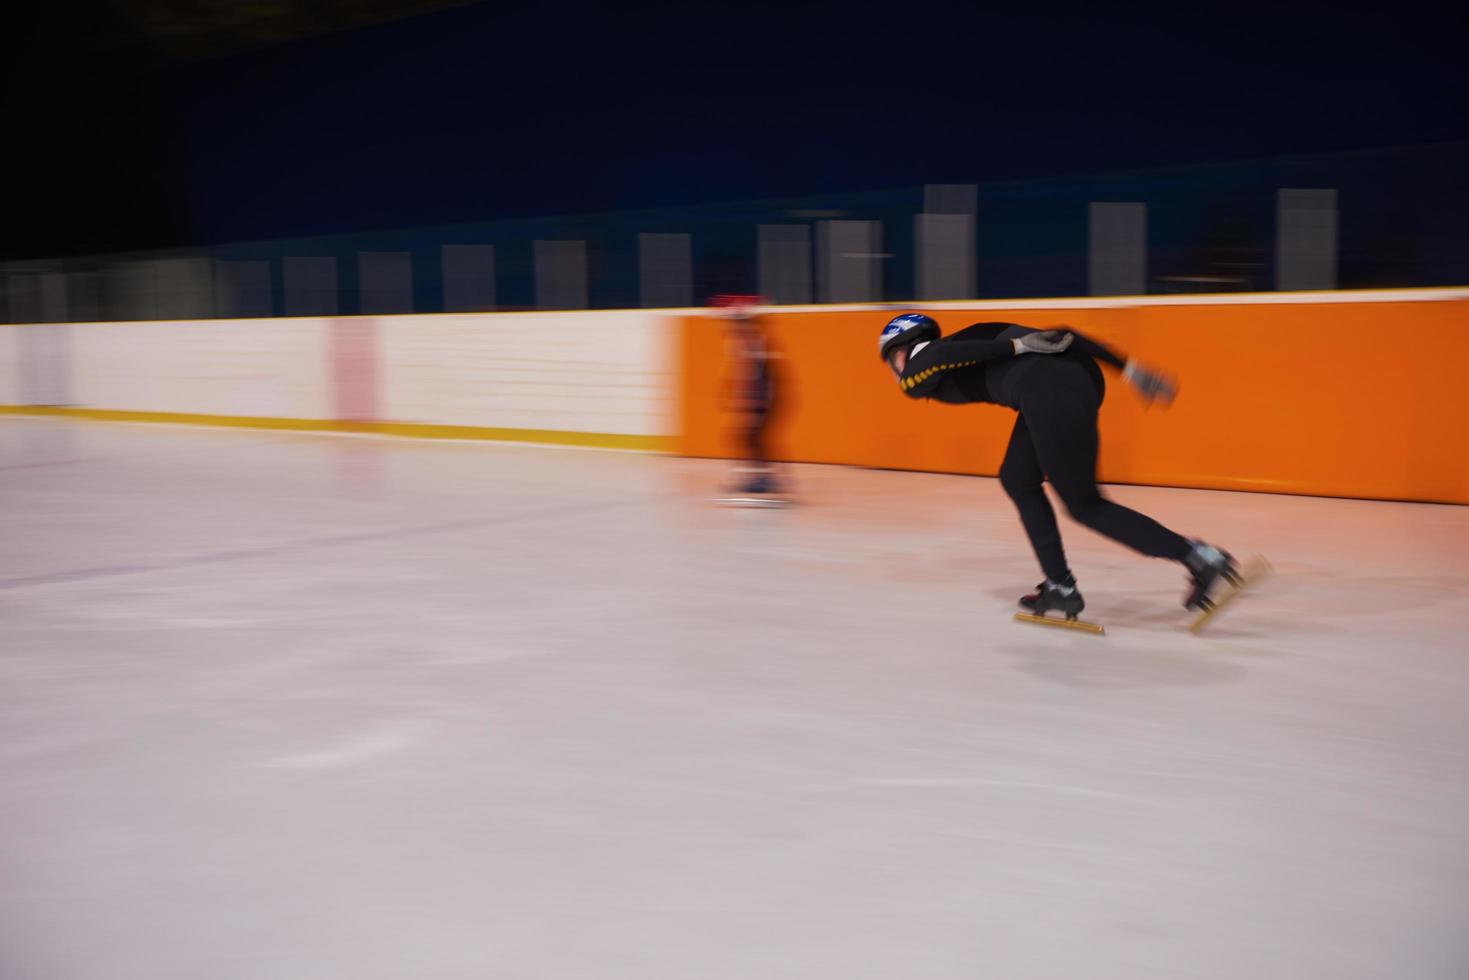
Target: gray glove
1151 385
1043 342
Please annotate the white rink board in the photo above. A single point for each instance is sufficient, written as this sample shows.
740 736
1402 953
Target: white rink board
585 371
10 365
270 367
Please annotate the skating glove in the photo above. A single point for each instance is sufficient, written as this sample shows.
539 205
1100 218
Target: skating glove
1043 342
1150 385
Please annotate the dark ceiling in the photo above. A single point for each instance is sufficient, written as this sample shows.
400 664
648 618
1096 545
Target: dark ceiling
191 30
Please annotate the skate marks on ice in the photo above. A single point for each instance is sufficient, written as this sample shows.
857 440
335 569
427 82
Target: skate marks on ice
298 545
1082 663
385 739
1329 593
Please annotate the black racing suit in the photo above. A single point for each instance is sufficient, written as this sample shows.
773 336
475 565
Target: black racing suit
1055 437
760 395
757 398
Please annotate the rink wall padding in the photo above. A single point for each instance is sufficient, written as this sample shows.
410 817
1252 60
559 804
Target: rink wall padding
597 371
588 378
1340 394
1335 395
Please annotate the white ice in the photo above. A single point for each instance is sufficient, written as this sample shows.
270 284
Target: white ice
281 706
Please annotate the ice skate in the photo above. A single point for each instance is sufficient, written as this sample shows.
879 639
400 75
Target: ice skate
1063 598
1210 569
1236 580
755 502
760 490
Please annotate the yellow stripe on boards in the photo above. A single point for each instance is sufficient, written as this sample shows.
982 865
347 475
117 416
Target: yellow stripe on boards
414 430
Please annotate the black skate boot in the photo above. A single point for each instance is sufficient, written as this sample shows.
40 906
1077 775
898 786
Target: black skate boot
1051 595
1207 565
759 485
758 488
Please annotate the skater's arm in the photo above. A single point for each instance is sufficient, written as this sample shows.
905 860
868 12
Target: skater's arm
977 344
1093 349
1086 345
924 368
1151 385
953 352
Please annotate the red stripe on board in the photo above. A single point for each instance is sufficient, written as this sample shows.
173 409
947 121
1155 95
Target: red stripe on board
354 369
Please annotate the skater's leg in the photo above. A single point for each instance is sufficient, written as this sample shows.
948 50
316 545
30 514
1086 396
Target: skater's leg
1021 476
762 470
755 437
1063 426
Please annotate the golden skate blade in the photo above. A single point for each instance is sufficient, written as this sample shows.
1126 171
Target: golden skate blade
1065 624
1252 572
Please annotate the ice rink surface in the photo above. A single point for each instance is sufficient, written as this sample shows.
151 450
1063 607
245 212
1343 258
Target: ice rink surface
294 707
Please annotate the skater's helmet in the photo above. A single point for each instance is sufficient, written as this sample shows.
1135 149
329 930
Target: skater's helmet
736 308
905 331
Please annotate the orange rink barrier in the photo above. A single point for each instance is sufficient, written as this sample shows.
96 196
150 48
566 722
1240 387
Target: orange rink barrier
1348 399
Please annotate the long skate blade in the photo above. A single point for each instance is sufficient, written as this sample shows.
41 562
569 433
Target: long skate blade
1065 624
1253 571
767 502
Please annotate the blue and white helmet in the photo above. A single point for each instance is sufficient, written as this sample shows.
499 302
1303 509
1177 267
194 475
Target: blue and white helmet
904 331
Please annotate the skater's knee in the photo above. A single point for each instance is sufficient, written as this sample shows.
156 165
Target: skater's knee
1084 504
1019 482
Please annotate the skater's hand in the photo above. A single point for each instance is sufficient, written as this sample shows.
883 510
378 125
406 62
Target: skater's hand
1150 385
1043 342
